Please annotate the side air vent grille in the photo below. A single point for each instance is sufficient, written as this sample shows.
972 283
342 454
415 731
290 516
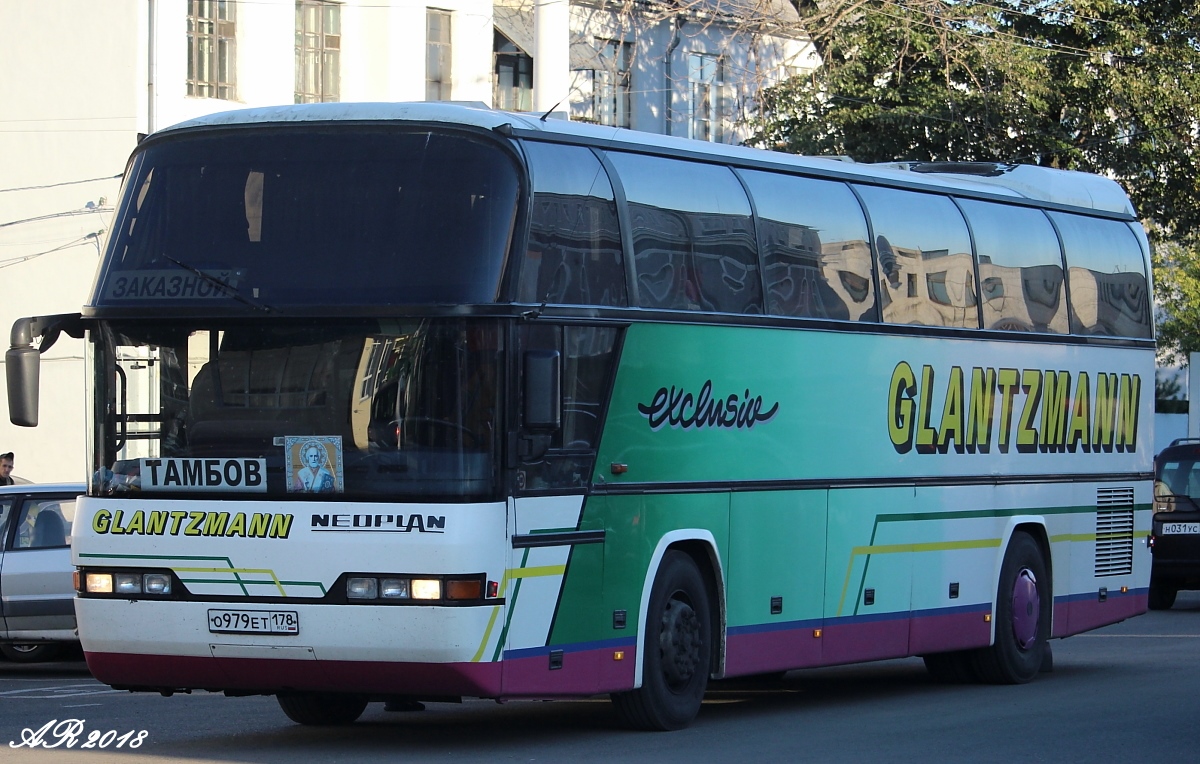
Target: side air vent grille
1114 532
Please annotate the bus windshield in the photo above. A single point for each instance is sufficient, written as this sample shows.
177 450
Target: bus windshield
278 218
291 409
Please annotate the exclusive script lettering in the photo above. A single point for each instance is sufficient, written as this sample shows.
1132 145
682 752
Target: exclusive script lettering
678 408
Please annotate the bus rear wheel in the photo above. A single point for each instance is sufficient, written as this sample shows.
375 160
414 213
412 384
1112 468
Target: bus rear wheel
1022 619
677 654
321 708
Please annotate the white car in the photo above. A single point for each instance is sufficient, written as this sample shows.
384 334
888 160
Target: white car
37 592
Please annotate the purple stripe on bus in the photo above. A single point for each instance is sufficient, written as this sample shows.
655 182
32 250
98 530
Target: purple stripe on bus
179 671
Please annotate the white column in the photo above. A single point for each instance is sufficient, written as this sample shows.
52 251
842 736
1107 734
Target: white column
551 55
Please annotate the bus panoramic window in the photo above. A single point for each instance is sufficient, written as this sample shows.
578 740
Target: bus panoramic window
1020 268
926 272
693 236
396 408
1109 291
815 251
574 252
293 218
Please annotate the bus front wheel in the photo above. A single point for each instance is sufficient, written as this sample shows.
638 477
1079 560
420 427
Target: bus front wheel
321 708
678 649
1022 618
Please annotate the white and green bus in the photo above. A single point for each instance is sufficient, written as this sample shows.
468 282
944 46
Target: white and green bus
397 402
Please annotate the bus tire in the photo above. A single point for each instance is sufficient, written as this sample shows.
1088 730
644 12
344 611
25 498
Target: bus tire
1162 597
677 654
951 668
1023 612
321 709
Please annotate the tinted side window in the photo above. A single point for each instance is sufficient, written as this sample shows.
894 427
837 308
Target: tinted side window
574 252
693 236
815 249
926 274
1109 292
1020 268
44 523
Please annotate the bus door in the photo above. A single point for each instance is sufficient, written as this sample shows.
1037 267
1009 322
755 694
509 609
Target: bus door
562 378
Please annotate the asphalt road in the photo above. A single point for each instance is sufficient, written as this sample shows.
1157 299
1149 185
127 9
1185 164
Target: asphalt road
1126 693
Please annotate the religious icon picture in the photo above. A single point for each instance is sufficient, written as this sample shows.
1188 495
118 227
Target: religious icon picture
314 464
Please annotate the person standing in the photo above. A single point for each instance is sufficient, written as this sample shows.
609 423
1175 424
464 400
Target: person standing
6 465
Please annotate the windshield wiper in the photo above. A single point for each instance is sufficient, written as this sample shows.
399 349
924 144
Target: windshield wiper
224 285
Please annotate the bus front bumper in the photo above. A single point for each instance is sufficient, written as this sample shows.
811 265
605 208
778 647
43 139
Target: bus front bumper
379 650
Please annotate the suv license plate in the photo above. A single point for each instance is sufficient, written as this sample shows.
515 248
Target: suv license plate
253 622
1180 528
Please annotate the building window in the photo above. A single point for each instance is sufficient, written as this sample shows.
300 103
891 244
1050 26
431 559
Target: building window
612 83
513 83
707 80
318 51
437 55
212 49
604 91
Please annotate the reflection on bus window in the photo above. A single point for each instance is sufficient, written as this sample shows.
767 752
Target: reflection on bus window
1020 268
574 253
693 236
816 259
926 271
1109 290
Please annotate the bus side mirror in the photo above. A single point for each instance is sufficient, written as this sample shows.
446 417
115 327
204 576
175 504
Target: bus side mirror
543 390
22 366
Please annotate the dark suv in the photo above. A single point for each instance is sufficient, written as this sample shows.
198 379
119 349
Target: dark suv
1175 534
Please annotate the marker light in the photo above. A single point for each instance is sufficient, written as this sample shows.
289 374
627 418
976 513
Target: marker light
156 583
127 583
426 589
362 588
99 583
394 588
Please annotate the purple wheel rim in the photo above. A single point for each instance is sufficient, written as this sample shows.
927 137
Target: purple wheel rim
1026 609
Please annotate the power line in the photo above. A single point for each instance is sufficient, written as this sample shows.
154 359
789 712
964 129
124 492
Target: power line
51 216
91 237
64 183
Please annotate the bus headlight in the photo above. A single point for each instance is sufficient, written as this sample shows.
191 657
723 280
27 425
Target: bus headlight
426 589
362 588
127 583
394 588
99 583
156 583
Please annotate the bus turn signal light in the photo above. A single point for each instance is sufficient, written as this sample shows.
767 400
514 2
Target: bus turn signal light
469 589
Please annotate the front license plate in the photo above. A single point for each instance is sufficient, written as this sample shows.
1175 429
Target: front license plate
253 622
1180 528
